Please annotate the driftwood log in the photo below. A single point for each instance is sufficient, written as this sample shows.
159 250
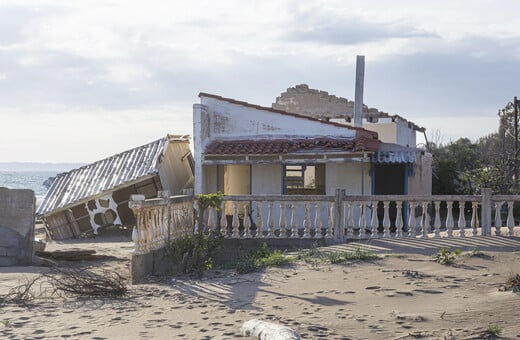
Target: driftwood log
71 255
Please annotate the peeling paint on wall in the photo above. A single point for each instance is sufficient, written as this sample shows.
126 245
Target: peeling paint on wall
101 211
221 123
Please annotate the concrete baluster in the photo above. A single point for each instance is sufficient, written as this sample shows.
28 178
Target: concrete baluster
449 218
295 224
223 219
510 218
498 217
283 221
399 220
362 219
474 218
270 220
259 220
247 221
425 220
307 221
462 219
211 219
350 220
411 220
386 219
318 225
374 221
437 223
235 223
330 227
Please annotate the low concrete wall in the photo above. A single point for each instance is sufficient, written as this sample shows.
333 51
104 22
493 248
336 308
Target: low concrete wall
17 207
155 264
151 264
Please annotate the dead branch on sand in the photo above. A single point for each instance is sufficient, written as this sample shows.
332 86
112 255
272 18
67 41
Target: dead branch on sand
68 282
512 284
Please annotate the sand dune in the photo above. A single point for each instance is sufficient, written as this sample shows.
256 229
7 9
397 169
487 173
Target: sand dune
402 295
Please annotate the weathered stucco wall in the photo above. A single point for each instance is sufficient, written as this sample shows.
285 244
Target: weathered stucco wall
210 179
228 121
386 132
421 182
236 179
354 177
17 207
267 179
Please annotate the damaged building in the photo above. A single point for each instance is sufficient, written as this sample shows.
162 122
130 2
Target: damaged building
96 195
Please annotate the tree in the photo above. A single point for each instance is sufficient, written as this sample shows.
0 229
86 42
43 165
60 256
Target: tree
452 165
464 167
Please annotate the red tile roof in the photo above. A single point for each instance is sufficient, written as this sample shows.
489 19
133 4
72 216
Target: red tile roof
284 146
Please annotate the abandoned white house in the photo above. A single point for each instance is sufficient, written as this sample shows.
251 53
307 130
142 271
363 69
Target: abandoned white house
398 167
245 149
96 195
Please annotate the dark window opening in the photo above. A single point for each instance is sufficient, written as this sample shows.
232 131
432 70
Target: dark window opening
304 179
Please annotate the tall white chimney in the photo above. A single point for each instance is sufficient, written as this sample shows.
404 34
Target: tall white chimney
358 101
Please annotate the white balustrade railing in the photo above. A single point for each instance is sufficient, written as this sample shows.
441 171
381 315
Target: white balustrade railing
336 217
358 217
160 220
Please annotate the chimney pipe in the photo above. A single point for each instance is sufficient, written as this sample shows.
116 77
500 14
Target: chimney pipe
360 80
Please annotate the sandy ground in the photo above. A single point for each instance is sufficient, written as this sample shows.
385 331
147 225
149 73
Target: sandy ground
402 295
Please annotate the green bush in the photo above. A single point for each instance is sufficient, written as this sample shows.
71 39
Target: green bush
313 256
246 265
336 257
193 253
260 258
445 256
360 255
357 254
277 259
493 330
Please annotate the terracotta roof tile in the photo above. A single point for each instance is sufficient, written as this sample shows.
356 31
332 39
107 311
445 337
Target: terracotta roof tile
284 146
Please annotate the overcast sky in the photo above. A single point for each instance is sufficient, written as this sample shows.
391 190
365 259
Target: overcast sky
82 80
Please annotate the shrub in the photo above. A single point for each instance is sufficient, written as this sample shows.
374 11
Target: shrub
336 257
313 256
357 254
260 258
193 253
445 256
360 255
493 330
513 283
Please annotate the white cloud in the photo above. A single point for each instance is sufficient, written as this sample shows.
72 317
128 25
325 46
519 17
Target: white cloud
69 64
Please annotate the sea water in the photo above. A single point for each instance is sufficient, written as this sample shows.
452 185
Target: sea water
26 180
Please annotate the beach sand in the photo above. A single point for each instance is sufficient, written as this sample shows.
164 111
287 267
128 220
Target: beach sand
402 295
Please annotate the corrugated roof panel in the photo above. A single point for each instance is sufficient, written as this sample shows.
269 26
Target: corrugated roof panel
102 176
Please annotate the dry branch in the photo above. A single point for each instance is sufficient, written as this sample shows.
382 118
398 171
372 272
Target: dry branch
68 282
86 283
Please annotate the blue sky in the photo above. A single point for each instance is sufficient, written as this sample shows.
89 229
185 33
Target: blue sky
82 80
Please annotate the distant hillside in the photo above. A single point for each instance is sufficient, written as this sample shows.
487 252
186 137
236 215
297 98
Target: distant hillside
29 166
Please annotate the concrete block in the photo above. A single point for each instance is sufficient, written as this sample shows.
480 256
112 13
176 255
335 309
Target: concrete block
17 207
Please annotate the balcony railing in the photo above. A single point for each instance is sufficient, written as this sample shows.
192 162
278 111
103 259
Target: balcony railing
335 218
